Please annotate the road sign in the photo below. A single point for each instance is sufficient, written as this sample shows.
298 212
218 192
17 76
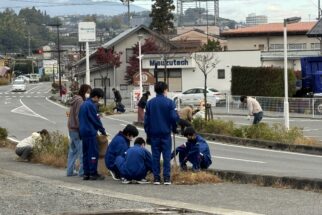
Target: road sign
86 32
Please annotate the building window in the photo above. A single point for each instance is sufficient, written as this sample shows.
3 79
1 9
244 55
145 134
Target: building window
221 74
261 47
129 54
174 79
123 86
291 46
315 46
98 82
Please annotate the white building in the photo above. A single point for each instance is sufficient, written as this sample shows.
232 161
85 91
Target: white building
253 19
184 72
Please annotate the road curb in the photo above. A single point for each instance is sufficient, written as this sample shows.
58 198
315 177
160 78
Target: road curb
269 181
313 150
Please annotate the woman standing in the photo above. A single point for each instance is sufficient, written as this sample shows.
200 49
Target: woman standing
75 147
141 106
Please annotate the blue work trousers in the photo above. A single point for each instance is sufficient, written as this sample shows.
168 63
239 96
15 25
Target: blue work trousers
161 145
90 155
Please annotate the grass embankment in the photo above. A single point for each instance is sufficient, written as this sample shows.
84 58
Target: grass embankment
54 152
261 131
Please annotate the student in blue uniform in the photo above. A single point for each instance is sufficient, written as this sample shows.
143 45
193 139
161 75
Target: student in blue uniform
195 150
118 146
89 124
135 164
160 119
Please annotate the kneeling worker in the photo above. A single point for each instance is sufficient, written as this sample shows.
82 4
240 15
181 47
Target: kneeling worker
195 150
136 163
118 146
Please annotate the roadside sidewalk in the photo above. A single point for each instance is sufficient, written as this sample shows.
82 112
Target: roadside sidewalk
222 198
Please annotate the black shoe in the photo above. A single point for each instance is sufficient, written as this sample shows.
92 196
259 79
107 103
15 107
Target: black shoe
167 182
156 182
115 176
96 177
86 177
183 167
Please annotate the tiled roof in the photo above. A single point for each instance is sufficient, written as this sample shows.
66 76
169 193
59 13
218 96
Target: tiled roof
316 31
301 27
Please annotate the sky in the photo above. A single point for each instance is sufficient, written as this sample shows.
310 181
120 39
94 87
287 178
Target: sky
276 10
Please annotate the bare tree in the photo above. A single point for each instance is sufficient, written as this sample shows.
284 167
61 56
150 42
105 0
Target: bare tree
206 62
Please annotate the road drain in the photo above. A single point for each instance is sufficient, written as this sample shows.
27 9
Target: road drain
152 211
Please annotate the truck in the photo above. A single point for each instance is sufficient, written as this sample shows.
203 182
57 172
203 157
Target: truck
33 78
311 81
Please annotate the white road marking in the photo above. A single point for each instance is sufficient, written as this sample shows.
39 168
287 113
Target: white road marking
59 105
32 89
314 129
237 159
13 139
236 146
48 91
25 110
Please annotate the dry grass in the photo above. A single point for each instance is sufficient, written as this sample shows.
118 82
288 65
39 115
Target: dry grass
4 81
307 141
51 160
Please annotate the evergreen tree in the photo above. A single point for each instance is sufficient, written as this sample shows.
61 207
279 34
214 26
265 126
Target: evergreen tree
211 46
162 16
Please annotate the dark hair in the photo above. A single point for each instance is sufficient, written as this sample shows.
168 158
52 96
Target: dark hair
242 98
139 141
97 92
189 131
160 87
113 89
130 130
83 90
147 93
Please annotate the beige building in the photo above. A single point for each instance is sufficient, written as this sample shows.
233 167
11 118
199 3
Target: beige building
268 38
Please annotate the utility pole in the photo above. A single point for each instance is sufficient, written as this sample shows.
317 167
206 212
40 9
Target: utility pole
29 49
57 25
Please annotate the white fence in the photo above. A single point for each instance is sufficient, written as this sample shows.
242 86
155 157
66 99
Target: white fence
274 106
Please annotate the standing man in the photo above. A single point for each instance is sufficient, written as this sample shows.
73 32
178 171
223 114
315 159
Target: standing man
89 124
160 119
253 107
141 106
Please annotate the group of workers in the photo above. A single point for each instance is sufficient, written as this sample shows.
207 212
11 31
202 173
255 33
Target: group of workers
127 163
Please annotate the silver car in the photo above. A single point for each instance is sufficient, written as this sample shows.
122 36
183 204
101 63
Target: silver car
19 85
195 95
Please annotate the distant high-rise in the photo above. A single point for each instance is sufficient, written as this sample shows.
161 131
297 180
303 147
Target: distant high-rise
197 12
253 19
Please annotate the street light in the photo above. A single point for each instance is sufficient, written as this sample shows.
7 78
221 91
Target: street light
286 104
140 64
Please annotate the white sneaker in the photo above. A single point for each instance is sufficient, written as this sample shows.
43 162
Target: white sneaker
156 183
167 182
125 181
113 175
143 181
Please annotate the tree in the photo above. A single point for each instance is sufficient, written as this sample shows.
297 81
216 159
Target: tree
109 58
211 46
206 62
149 46
162 16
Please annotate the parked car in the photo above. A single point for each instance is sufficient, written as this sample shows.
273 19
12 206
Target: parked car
34 78
19 85
23 77
195 95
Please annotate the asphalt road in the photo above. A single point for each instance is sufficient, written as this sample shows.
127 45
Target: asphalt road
26 112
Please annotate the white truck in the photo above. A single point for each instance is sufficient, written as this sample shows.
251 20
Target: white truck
33 78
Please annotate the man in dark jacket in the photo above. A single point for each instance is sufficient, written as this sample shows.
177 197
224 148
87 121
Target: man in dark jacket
118 146
135 164
195 150
141 106
89 124
160 119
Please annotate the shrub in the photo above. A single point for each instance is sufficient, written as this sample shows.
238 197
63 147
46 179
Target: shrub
44 78
108 109
52 151
261 131
3 133
55 86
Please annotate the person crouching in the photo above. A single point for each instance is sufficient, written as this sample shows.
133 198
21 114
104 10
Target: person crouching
135 164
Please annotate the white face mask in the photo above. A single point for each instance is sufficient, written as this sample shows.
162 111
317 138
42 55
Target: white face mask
87 95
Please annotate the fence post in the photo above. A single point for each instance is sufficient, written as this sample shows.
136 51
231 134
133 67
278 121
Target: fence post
313 101
227 102
131 101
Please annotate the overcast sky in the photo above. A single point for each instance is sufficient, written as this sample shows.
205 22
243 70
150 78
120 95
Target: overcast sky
276 10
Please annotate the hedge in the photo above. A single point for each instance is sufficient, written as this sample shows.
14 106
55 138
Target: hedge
261 81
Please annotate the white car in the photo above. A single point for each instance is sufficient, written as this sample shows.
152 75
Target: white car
195 95
34 78
22 77
19 85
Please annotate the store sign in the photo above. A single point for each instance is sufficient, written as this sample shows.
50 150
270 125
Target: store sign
147 78
171 62
87 32
174 62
